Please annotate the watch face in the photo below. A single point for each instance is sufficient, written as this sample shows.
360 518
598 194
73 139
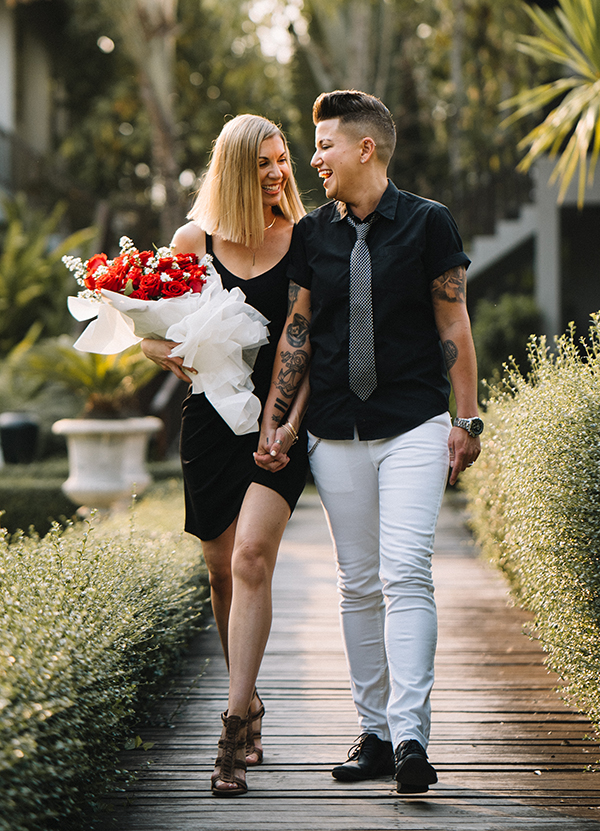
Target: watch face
476 428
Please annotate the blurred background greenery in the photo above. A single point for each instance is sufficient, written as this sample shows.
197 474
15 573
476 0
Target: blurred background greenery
108 110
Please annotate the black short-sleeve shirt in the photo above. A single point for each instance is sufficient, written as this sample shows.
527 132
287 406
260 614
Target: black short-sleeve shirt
413 241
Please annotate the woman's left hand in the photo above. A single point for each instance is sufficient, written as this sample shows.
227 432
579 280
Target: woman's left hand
273 446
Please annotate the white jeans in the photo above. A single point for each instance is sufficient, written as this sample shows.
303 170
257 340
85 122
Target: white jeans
382 500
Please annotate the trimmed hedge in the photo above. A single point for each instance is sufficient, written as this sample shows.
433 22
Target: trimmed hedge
31 495
534 503
27 502
92 622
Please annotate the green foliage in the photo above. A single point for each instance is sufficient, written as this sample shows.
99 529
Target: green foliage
29 501
441 67
34 283
534 502
90 624
501 331
107 383
573 126
219 70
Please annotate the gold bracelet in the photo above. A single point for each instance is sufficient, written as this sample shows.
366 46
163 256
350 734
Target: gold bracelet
291 431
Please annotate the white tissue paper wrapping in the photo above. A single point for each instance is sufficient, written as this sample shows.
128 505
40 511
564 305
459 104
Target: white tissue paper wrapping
216 332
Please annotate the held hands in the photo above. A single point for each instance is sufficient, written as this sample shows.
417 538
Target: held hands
273 446
159 351
463 450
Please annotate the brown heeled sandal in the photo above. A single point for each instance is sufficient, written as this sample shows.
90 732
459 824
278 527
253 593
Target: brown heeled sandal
252 735
232 749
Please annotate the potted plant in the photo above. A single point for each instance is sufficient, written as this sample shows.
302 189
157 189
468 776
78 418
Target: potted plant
107 446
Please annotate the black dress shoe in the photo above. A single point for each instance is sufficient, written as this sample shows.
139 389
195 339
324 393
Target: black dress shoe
414 774
369 758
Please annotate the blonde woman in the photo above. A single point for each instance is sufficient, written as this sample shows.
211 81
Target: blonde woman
244 215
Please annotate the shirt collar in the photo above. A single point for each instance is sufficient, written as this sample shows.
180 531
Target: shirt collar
386 206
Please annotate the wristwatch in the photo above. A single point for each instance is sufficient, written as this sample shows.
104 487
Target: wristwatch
473 426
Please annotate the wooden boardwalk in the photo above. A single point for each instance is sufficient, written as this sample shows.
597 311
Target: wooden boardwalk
509 754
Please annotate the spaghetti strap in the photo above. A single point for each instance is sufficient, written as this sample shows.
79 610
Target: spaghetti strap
209 244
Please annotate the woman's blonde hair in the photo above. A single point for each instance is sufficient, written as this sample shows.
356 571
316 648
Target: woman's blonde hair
229 202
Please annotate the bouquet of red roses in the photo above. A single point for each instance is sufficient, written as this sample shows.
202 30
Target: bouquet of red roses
141 294
143 275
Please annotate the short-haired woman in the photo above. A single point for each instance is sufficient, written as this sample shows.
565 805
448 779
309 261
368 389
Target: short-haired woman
244 215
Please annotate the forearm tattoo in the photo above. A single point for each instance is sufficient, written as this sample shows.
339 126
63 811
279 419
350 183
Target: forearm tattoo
451 285
292 372
297 331
450 353
293 292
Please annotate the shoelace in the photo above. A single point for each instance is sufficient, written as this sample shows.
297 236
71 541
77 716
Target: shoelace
354 751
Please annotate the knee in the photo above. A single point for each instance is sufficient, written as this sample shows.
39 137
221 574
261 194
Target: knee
249 563
219 578
360 598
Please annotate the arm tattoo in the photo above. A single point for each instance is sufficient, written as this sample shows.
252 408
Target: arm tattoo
282 406
297 331
450 353
451 285
293 292
292 372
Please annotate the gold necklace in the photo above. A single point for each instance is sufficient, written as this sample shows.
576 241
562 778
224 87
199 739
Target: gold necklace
264 229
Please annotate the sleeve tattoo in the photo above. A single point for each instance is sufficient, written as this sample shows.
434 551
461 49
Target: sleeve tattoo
293 292
450 353
297 331
291 373
451 285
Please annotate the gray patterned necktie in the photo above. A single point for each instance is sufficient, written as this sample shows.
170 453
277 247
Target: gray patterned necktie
361 358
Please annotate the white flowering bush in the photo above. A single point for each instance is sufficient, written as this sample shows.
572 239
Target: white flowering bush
91 624
534 502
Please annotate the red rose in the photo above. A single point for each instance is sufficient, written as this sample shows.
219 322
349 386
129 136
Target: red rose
174 288
165 264
186 260
136 275
196 285
151 284
140 294
111 281
95 262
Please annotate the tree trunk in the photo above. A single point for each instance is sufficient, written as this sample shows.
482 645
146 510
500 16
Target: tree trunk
147 29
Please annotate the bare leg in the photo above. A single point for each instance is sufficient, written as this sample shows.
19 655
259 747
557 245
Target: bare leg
261 524
217 556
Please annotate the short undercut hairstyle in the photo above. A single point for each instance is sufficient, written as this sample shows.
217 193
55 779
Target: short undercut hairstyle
367 112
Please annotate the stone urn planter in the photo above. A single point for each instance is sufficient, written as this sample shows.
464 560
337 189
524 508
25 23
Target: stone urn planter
107 458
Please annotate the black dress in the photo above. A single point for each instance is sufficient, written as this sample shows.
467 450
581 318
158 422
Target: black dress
218 466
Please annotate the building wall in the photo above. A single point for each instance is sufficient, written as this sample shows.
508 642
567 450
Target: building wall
567 261
34 103
8 62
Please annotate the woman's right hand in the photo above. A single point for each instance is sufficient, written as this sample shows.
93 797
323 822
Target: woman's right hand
159 351
273 446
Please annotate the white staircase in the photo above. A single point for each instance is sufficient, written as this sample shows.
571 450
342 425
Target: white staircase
510 233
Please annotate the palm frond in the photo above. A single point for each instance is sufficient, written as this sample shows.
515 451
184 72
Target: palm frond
572 128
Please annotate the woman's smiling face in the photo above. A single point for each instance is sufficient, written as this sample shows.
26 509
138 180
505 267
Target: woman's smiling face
273 170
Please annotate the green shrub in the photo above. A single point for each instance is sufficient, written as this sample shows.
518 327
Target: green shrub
501 331
31 495
33 502
534 502
91 622
34 284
